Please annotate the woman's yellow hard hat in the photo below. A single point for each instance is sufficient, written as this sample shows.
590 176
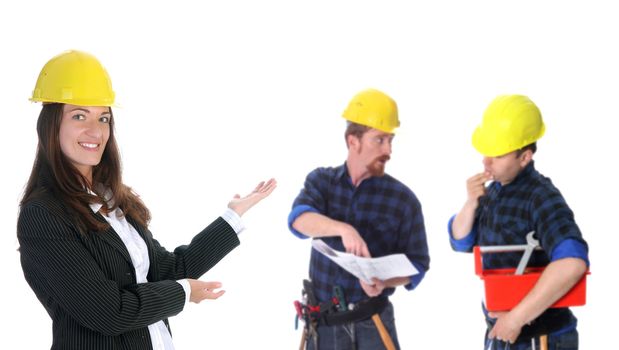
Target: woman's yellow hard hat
74 77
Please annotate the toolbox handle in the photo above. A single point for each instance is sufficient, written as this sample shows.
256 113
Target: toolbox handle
532 244
479 250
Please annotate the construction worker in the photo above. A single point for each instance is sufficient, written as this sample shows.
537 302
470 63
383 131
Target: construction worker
359 208
517 201
85 247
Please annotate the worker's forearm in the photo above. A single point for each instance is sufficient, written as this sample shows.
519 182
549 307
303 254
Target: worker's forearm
463 222
397 281
317 225
556 280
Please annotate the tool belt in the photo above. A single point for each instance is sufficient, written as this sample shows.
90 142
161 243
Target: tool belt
548 322
361 311
336 311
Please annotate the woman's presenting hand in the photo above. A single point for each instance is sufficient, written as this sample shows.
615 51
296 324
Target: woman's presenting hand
201 290
242 204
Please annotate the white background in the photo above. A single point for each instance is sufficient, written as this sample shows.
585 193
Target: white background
216 96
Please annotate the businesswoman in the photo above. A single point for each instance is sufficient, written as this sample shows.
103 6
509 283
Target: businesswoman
85 247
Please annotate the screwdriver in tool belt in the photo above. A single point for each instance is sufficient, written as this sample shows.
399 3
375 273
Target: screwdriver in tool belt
339 294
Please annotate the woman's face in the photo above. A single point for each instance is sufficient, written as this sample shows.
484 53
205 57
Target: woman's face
84 132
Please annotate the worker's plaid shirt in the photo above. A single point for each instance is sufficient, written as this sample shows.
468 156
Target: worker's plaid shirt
507 213
384 211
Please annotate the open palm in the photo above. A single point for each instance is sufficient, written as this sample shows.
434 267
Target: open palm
242 204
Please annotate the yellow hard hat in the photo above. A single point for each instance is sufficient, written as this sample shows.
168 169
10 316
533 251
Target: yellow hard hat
74 77
509 123
373 108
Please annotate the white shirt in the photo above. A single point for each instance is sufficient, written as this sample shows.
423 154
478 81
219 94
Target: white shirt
159 334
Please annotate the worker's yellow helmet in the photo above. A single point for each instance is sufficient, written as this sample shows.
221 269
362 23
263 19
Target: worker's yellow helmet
74 77
509 123
373 108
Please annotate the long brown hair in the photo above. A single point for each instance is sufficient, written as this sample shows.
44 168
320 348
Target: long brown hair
52 171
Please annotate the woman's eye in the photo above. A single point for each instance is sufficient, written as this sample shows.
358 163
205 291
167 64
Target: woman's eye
104 119
78 117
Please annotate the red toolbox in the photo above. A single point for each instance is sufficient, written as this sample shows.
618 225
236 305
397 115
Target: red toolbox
504 290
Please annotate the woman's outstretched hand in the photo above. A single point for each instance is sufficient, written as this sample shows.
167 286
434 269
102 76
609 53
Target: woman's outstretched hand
201 290
242 204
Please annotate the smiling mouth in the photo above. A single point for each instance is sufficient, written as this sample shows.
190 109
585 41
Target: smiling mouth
89 145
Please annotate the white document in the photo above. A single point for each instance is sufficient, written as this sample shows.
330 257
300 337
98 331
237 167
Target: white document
383 268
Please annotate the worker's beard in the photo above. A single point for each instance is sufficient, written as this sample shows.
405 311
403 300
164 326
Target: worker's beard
377 167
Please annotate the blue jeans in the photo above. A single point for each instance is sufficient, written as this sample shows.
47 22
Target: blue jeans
564 341
361 335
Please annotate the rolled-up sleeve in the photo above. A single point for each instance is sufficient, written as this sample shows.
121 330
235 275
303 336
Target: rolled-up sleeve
464 244
310 199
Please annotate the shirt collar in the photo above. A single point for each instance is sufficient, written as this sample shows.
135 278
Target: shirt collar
341 173
95 207
107 196
526 172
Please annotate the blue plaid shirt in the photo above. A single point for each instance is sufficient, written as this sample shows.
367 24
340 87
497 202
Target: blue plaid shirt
384 211
507 213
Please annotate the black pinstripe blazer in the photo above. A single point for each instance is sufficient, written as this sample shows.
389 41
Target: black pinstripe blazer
87 282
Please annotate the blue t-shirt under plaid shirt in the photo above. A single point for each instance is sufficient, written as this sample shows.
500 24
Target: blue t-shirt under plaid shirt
384 211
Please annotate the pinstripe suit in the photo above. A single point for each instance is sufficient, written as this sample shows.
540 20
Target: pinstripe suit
87 282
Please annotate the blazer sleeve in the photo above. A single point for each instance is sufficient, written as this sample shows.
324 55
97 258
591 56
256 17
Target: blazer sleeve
64 274
193 260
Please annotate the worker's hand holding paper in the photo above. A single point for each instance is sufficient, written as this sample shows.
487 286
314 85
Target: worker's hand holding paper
383 268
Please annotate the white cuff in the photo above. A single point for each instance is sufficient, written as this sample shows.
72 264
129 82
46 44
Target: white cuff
187 289
233 219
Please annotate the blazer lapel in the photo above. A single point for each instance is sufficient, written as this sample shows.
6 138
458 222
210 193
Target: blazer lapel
153 272
112 238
